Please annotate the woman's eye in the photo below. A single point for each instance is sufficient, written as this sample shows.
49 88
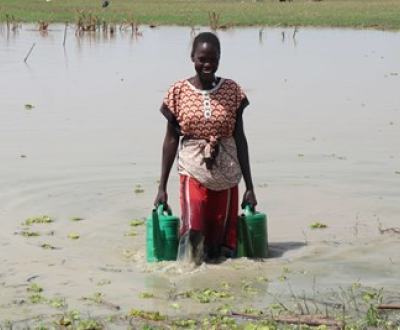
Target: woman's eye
207 60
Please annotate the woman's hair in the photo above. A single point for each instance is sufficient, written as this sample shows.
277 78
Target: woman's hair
207 37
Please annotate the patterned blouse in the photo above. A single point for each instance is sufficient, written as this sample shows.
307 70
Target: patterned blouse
207 120
204 114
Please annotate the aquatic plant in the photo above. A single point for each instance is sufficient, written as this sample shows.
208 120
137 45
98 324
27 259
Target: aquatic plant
38 220
317 225
73 235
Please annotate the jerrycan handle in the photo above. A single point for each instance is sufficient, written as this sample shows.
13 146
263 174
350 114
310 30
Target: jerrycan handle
161 209
157 237
248 210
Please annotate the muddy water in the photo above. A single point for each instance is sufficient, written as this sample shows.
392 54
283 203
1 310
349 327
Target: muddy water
323 130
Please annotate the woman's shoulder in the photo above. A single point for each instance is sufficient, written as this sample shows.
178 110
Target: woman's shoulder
230 81
178 85
231 84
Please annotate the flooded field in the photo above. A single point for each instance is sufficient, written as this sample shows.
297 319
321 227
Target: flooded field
81 138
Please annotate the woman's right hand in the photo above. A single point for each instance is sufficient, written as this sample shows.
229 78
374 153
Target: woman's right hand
161 198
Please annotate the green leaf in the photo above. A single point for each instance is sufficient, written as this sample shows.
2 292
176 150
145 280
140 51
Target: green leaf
317 225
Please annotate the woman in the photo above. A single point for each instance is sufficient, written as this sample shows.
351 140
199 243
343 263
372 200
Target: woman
206 111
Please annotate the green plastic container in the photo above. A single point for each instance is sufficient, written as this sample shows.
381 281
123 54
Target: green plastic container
252 234
162 235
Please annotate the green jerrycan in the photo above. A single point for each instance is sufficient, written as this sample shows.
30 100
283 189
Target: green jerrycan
252 237
162 235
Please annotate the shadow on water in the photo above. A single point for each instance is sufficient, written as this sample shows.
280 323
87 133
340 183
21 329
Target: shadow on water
278 249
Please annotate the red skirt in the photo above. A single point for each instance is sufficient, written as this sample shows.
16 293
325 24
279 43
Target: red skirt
212 212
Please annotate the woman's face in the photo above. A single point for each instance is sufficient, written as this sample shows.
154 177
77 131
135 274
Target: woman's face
206 61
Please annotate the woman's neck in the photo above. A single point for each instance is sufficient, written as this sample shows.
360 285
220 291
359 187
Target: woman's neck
203 85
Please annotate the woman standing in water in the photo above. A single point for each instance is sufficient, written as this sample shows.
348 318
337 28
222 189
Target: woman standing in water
206 111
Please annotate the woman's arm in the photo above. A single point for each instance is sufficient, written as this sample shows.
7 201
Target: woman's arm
170 147
249 197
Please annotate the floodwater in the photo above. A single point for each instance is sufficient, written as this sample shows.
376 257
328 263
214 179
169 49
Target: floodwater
323 129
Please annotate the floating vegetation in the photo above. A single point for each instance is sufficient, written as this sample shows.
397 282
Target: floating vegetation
261 279
103 282
73 235
90 325
175 306
65 321
135 222
34 287
153 316
98 298
77 219
138 189
185 323
282 278
317 225
146 295
131 233
29 106
251 311
206 295
46 246
287 269
36 298
28 233
69 319
248 288
58 303
38 220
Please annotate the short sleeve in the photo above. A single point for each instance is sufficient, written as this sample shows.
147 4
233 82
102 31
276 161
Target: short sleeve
243 101
169 107
172 97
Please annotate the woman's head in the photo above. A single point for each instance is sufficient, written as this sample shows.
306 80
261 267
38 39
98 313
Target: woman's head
206 37
206 52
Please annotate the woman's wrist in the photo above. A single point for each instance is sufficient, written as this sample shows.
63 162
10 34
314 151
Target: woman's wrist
249 187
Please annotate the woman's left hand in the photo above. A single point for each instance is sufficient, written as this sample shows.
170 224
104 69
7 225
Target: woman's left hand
249 198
